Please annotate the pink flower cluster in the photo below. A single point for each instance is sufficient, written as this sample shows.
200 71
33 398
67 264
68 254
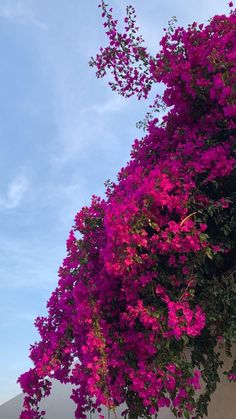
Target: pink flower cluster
125 57
232 377
184 320
126 305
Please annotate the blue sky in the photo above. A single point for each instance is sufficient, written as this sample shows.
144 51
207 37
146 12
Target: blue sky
62 134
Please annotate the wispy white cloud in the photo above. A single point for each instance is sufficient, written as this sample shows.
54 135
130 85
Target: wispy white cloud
12 316
113 104
18 13
15 193
86 128
32 265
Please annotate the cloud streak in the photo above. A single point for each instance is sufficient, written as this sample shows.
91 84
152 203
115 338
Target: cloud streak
31 265
15 193
113 104
17 13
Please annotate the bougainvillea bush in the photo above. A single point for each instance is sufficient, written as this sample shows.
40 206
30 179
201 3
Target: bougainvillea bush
147 293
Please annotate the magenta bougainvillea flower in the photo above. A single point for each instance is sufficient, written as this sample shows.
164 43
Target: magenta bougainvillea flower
148 288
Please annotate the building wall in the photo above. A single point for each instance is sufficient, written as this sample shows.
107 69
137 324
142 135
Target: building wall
223 403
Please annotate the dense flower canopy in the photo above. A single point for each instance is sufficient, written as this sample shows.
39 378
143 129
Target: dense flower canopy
147 291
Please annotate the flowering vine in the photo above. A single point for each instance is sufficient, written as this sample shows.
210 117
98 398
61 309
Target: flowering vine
147 291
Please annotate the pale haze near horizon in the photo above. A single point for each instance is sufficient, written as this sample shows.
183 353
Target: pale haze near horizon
62 133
